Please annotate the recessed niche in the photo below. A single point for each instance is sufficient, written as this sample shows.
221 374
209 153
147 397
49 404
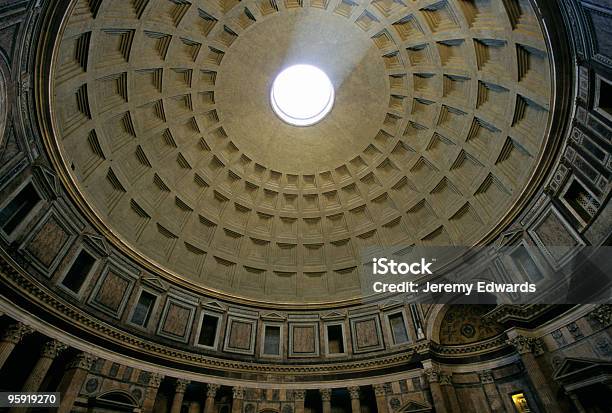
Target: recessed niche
78 272
18 208
209 325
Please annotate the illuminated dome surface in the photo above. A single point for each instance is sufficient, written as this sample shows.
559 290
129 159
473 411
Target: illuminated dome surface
302 95
164 127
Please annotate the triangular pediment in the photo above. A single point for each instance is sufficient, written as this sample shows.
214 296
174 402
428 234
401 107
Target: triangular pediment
573 365
507 238
214 305
155 282
413 406
98 243
274 316
51 184
333 315
391 304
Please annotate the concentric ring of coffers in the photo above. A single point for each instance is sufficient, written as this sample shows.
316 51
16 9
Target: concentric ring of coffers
437 126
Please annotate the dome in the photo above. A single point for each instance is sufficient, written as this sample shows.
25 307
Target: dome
163 125
194 193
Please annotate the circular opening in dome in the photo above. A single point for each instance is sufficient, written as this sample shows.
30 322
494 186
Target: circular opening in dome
302 95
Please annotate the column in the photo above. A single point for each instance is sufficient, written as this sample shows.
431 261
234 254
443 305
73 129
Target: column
381 398
490 389
238 397
326 399
355 403
433 378
10 338
577 403
48 353
194 407
151 392
299 396
211 392
179 393
72 381
448 390
526 346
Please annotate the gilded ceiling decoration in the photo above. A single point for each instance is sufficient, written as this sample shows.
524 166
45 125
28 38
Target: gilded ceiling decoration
162 118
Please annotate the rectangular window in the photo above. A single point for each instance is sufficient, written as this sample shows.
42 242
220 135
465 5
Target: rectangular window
208 330
526 264
604 97
76 275
18 208
272 341
398 328
335 339
143 309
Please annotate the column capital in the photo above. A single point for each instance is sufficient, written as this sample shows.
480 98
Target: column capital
155 380
238 392
379 389
325 394
602 313
486 376
82 361
181 385
524 344
445 378
16 332
52 348
432 375
211 390
299 395
353 392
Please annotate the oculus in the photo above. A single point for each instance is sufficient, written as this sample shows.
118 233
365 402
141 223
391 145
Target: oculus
302 95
